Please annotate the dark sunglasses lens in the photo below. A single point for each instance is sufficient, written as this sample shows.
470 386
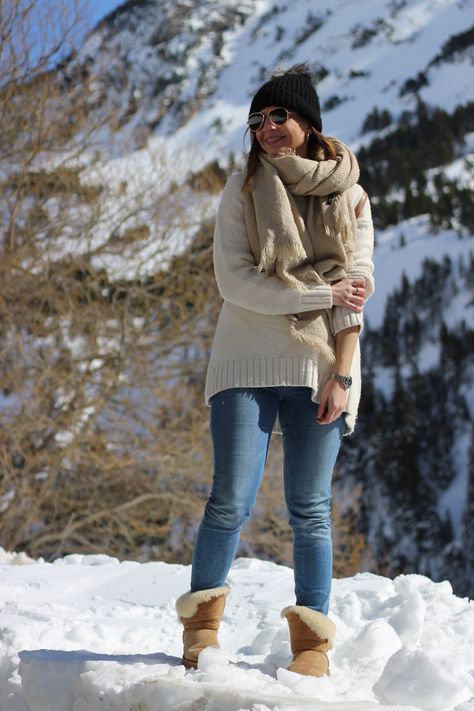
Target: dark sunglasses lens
255 121
276 116
279 116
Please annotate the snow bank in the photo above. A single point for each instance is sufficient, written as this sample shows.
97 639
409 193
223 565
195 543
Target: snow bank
11 558
87 633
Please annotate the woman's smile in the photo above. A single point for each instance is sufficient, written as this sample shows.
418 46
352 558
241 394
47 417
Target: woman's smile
272 138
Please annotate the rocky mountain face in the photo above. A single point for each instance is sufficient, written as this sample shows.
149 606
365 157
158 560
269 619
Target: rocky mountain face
153 60
395 78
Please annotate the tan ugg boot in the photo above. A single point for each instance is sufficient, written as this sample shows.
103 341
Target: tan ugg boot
311 635
200 613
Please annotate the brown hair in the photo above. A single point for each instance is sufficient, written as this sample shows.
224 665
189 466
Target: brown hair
320 147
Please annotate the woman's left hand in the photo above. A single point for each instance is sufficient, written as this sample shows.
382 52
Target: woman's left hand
332 402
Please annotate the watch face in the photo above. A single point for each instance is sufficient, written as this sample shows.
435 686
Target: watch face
345 380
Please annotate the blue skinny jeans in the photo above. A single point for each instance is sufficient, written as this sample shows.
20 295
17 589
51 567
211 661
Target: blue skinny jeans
242 420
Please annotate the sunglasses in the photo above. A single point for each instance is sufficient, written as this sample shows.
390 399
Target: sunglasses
277 116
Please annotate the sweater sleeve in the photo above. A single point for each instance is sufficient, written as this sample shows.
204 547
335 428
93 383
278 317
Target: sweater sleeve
363 266
237 277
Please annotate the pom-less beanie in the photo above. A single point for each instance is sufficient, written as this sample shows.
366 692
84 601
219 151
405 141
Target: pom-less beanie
293 91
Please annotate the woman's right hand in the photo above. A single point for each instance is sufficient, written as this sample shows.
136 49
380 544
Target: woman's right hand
350 293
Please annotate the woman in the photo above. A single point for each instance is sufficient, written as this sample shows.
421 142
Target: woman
293 263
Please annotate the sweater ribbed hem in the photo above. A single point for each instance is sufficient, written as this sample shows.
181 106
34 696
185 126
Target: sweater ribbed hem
261 372
292 371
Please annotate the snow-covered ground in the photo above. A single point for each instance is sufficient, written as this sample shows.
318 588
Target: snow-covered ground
87 632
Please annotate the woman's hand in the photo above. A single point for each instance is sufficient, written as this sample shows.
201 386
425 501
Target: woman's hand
332 402
350 293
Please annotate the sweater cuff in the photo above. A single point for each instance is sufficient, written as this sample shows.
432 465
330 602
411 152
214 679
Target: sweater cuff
320 297
345 318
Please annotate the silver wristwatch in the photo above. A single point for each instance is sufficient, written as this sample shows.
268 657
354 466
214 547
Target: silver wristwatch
344 380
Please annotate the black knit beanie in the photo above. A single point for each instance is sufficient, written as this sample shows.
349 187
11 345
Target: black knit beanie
293 91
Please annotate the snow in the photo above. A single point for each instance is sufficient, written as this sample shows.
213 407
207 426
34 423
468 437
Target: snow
393 259
89 632
409 39
460 171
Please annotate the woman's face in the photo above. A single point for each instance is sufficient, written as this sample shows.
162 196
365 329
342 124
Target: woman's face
292 134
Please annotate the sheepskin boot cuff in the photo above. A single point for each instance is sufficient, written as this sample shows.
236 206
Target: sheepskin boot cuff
187 604
200 614
311 636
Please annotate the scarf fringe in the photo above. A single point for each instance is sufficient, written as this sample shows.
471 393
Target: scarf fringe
311 339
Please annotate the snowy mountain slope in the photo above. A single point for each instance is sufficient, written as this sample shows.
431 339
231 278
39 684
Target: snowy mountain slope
148 60
169 70
401 250
178 79
186 71
87 632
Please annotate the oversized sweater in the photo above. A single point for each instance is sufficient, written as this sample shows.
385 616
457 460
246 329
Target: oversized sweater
253 346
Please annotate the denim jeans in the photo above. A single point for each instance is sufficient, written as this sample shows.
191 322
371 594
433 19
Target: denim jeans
242 420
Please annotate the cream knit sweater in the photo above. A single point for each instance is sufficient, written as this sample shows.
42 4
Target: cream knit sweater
253 346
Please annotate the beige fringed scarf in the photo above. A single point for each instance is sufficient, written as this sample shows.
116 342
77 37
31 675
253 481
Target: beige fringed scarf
278 233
